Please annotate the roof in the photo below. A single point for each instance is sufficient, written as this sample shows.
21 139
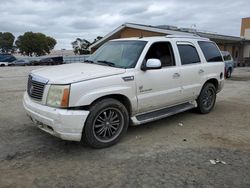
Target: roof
168 30
162 38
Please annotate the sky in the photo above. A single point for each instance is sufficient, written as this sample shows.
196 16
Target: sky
66 20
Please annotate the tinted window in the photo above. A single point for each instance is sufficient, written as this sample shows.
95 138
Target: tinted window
210 51
7 58
162 51
188 54
227 57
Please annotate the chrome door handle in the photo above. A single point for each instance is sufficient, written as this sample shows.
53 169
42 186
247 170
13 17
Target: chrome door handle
176 75
201 71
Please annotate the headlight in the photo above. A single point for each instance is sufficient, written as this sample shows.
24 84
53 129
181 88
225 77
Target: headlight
58 96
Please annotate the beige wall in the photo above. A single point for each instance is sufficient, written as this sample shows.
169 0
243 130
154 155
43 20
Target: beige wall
246 52
247 34
222 48
229 48
245 24
233 49
129 32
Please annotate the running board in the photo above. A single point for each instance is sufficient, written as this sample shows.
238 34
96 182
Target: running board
162 113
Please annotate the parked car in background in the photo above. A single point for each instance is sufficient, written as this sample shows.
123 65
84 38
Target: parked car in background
3 64
229 63
6 59
51 61
20 62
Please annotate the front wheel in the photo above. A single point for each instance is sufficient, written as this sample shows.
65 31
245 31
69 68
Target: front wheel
106 124
206 99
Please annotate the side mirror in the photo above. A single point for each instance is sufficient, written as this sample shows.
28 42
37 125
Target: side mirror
152 64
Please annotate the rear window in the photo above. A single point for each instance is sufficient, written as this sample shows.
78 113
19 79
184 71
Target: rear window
188 54
227 57
210 51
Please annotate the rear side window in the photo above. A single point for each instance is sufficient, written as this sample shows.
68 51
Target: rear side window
188 54
210 51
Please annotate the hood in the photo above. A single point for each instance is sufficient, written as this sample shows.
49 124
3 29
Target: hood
69 73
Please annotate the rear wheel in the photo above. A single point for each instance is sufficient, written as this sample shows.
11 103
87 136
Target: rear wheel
206 99
106 124
229 73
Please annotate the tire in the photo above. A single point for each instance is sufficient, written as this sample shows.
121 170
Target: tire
229 73
206 99
106 124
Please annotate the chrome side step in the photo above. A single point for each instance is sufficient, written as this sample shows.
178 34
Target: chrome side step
162 113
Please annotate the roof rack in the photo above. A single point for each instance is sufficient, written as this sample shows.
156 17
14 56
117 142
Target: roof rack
192 36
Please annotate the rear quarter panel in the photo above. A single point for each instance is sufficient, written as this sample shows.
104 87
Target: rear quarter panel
212 70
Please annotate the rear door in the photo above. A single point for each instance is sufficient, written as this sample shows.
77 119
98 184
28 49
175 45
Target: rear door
191 70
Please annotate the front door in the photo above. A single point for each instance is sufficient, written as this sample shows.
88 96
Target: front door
161 87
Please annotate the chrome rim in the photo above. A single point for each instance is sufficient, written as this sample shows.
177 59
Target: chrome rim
108 124
208 98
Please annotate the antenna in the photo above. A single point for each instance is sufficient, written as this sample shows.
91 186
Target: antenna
193 26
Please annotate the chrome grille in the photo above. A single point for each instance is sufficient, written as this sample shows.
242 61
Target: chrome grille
35 88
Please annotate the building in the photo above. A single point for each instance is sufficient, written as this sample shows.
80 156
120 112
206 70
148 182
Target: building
245 33
237 46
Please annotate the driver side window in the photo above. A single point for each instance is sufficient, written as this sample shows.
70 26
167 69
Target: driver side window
162 51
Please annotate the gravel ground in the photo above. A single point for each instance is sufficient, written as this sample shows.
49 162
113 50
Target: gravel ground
158 154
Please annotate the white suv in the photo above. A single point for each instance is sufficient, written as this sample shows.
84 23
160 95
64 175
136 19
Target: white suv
126 81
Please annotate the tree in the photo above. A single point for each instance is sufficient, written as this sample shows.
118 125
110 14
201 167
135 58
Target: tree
81 46
6 42
96 39
37 44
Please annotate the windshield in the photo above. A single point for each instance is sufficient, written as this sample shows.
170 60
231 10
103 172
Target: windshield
122 54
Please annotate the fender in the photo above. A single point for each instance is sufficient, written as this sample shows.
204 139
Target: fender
90 96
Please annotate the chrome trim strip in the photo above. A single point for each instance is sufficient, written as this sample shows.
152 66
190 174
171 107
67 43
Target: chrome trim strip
39 79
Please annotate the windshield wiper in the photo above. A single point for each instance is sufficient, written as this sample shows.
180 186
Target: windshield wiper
107 63
88 61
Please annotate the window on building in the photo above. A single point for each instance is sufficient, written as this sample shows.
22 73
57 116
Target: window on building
162 51
188 54
210 51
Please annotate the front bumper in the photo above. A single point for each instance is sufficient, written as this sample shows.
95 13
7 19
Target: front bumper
62 123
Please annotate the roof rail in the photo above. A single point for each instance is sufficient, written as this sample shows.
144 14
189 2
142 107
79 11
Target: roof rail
193 36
